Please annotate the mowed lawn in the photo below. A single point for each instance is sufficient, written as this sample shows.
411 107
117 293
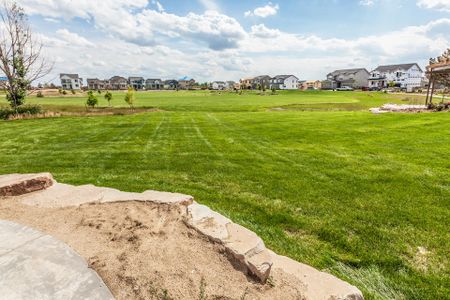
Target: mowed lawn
366 197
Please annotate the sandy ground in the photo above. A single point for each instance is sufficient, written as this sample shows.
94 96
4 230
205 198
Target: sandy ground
145 251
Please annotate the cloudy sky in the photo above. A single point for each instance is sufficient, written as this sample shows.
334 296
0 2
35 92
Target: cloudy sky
228 39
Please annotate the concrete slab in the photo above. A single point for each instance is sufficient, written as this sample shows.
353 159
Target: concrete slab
34 265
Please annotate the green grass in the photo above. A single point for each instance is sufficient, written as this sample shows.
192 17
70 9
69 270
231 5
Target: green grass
339 188
214 101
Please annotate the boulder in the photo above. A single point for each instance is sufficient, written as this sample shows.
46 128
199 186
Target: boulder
319 285
20 184
243 246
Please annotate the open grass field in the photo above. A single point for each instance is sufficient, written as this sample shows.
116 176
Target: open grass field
320 179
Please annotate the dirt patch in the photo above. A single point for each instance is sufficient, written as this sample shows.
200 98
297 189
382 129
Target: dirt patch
145 251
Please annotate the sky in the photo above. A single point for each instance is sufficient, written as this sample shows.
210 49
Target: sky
227 40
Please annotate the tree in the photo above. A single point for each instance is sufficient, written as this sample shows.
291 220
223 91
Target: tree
130 97
92 100
108 96
20 54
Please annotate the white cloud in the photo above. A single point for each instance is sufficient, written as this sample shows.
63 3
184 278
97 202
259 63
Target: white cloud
73 39
143 26
261 31
366 2
210 4
442 5
264 11
158 5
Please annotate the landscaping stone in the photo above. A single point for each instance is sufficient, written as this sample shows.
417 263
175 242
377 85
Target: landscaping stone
249 251
244 248
319 285
19 184
242 245
63 195
34 265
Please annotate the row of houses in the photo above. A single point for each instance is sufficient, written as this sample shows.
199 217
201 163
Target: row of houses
75 82
404 76
278 82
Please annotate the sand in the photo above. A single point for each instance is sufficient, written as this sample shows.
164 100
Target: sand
145 251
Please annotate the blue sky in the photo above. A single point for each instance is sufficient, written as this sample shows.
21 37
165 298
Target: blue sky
226 40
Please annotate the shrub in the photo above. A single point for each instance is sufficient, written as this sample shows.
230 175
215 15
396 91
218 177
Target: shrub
40 94
6 113
92 100
64 92
130 97
108 96
73 92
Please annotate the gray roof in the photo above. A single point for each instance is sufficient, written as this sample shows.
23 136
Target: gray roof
219 82
261 77
152 80
73 76
348 71
135 78
116 78
393 68
284 76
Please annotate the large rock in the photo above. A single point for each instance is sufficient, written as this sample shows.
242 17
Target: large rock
248 250
242 245
19 184
64 195
34 265
319 285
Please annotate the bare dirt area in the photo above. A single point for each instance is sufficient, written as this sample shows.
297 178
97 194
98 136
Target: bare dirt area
145 251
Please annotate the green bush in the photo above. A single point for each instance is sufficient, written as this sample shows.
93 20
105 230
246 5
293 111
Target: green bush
92 100
5 113
39 94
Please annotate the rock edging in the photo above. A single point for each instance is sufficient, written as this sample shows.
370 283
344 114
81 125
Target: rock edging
244 247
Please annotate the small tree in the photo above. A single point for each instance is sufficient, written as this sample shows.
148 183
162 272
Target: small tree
92 100
108 96
130 97
20 54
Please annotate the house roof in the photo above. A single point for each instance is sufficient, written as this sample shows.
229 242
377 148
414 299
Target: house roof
185 78
135 78
73 76
219 82
284 77
117 78
153 80
261 77
393 68
348 71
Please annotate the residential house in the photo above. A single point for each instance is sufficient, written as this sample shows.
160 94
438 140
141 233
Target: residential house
154 84
218 85
171 84
310 85
262 81
354 78
118 83
97 84
137 83
405 76
230 85
71 81
246 83
186 83
284 82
